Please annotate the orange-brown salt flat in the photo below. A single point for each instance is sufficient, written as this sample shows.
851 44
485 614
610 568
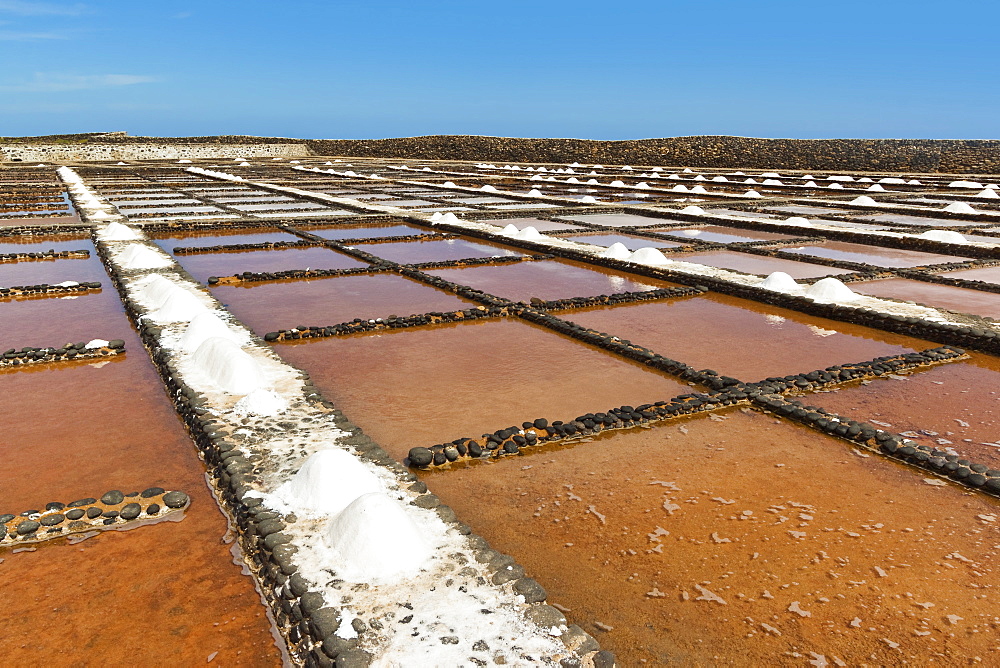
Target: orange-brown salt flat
228 264
413 252
954 405
33 272
329 301
741 338
744 542
425 386
548 279
170 241
631 242
759 264
37 244
986 274
874 255
54 321
977 302
365 231
167 594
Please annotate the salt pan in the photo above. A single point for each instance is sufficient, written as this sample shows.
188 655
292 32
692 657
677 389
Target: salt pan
179 306
863 200
693 210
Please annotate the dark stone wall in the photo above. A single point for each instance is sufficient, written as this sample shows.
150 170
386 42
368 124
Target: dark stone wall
958 156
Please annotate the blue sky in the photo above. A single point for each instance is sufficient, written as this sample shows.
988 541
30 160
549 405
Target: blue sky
601 70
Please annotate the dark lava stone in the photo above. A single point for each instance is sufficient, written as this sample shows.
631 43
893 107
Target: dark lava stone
82 502
52 520
175 499
113 498
510 447
75 513
153 508
421 456
27 526
94 512
130 511
151 492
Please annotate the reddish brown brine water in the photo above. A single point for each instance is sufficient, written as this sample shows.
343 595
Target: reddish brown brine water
712 331
329 301
164 594
548 279
202 267
932 294
760 265
427 386
745 541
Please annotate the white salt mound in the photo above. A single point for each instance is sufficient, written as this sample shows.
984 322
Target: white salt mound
679 188
830 290
799 220
965 184
693 210
449 218
875 188
893 180
811 184
97 343
535 192
960 207
529 234
488 189
642 185
648 256
229 367
863 200
510 230
204 326
700 190
138 256
720 179
773 182
179 306
156 290
119 232
835 186
374 540
946 236
328 482
589 199
617 184
616 251
752 193
990 194
265 403
779 281
100 215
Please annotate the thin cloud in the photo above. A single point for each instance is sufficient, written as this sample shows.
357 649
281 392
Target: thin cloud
183 15
22 8
25 36
58 83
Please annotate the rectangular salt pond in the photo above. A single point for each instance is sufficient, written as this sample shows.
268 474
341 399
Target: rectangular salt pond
760 265
616 219
721 234
414 252
902 219
35 272
90 427
874 255
631 242
547 280
231 263
954 405
220 237
55 321
738 212
39 244
425 386
365 232
942 296
804 210
714 331
329 301
537 223
742 542
985 274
